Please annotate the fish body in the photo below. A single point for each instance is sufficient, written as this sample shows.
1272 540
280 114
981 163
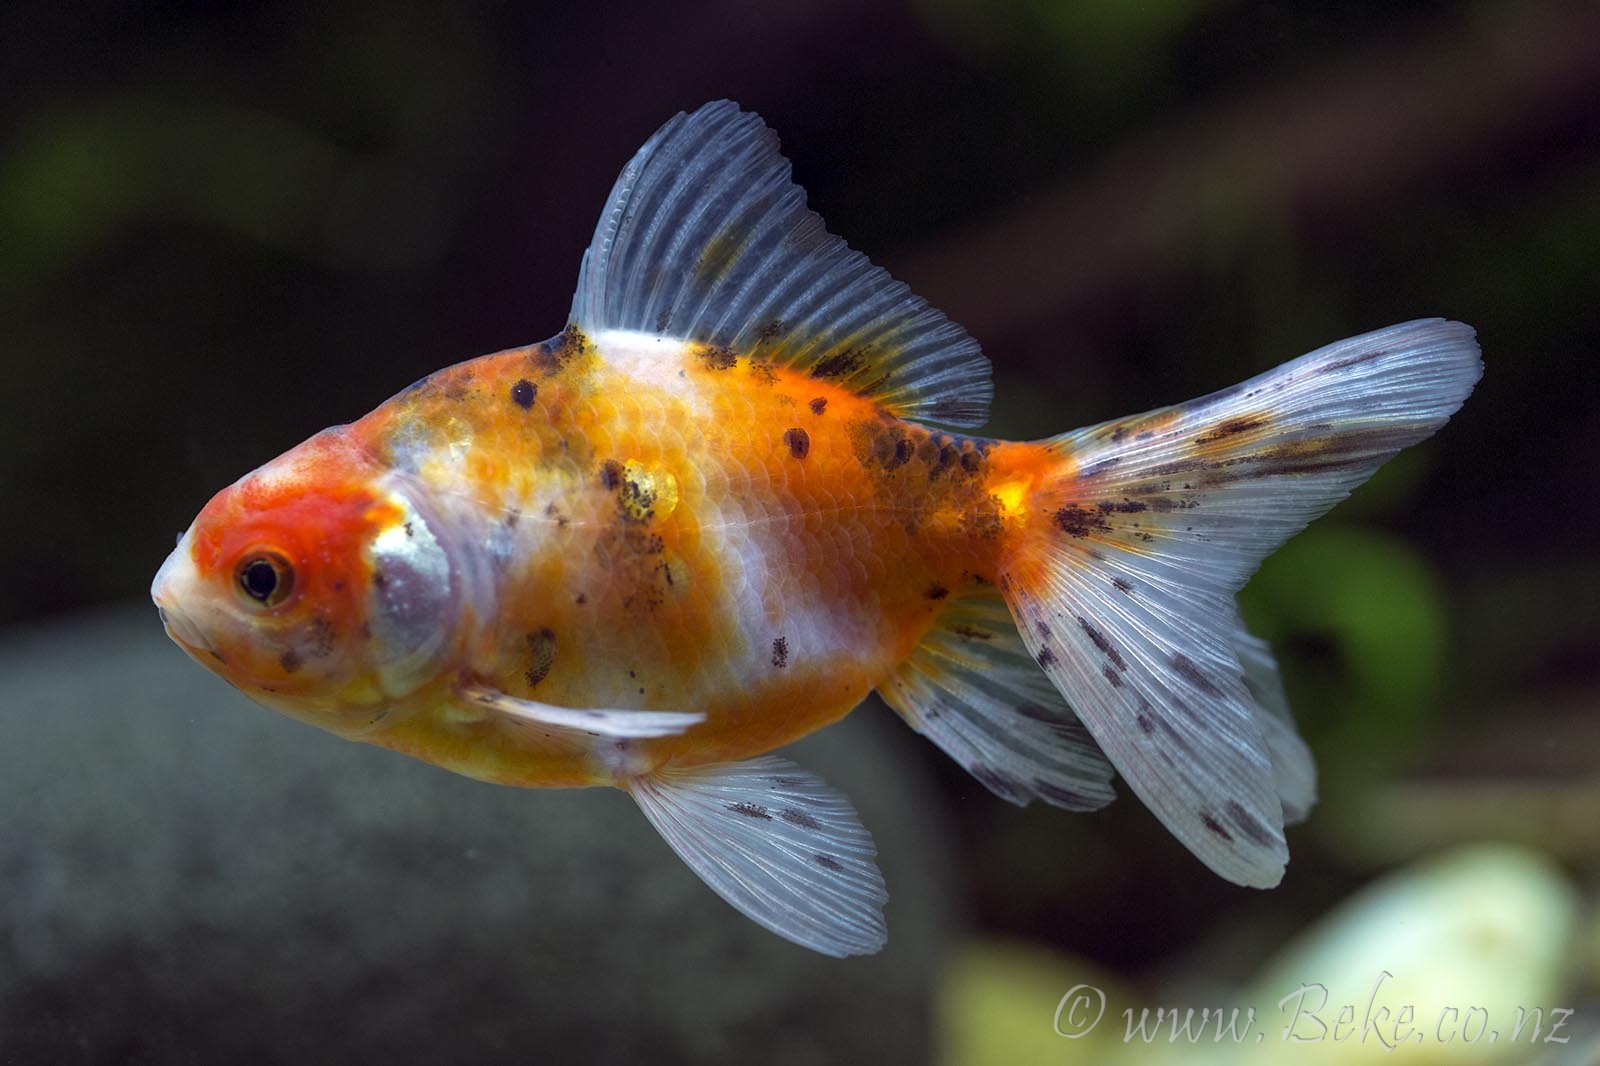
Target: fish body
716 511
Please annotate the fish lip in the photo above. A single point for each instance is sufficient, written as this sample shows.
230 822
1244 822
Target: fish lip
184 633
164 594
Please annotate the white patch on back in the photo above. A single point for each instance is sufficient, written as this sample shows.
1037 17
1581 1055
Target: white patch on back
648 358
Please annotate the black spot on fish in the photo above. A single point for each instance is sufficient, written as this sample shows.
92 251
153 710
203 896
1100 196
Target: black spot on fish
780 652
819 405
610 474
1101 467
786 781
1102 643
799 442
1215 826
971 461
936 591
1125 507
839 364
321 642
799 818
1042 627
290 660
767 332
1232 428
637 501
554 354
1354 360
1145 724
1046 656
1191 673
581 598
827 862
523 392
750 810
541 655
966 632
1248 823
1074 521
1112 676
1121 586
717 357
903 450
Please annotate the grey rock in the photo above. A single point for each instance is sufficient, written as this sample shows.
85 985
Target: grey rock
187 878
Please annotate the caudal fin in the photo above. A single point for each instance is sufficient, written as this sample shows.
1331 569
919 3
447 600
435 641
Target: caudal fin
1124 589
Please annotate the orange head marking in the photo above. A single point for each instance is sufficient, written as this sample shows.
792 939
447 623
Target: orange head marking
313 585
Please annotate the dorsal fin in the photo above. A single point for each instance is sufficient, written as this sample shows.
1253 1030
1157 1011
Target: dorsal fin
707 239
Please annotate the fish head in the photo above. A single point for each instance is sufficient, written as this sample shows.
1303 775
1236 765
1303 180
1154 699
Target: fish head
319 585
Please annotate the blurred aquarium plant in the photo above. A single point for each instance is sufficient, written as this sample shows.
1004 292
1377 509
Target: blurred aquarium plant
1469 956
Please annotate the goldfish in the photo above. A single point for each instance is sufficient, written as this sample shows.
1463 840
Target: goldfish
737 494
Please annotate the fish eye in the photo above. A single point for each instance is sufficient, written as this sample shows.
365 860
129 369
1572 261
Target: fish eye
264 578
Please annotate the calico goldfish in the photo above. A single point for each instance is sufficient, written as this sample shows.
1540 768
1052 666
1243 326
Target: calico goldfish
739 492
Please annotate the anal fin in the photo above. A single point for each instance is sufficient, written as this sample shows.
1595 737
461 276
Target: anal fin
777 843
972 688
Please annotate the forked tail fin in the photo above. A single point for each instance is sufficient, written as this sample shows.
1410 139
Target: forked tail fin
1124 588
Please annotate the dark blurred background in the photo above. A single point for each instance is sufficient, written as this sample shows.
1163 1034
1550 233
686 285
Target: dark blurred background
225 226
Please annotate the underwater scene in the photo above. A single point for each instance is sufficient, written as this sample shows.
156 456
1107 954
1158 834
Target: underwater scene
933 532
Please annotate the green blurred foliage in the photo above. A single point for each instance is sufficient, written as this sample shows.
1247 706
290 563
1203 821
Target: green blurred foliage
1098 51
1360 620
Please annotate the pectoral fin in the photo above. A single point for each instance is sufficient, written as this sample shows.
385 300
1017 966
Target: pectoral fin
776 842
589 720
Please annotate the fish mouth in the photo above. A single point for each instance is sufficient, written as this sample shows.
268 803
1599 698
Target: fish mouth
165 591
185 633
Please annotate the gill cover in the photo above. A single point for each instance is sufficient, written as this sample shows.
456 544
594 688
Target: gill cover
414 595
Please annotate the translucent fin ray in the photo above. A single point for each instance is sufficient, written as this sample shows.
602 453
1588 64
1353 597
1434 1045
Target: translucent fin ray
777 843
706 238
1294 771
972 689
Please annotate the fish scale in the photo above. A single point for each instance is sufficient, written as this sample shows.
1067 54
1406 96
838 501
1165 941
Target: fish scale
717 510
